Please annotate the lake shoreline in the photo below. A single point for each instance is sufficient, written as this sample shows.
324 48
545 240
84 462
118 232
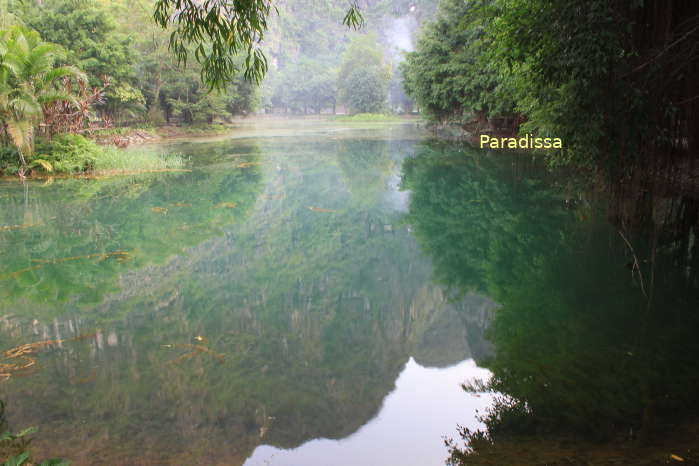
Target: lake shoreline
128 136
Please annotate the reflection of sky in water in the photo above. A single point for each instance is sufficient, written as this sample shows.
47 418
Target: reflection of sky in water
397 199
426 405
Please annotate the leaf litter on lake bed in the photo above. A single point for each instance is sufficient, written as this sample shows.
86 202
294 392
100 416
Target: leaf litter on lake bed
227 205
27 352
19 227
194 350
120 255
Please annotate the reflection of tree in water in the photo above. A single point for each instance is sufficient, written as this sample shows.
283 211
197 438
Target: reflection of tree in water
476 216
365 163
581 345
68 256
316 313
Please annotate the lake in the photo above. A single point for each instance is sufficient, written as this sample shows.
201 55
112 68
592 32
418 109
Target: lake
314 294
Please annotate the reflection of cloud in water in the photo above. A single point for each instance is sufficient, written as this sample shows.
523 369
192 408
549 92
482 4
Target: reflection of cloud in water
426 405
397 199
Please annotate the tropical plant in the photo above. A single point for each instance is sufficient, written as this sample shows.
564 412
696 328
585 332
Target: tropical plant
29 80
90 35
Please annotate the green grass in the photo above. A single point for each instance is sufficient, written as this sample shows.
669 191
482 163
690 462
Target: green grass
75 154
142 159
368 117
192 130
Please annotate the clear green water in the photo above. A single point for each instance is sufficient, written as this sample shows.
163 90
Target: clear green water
329 283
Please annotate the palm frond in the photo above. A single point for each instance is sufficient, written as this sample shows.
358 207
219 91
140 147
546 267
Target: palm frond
57 96
21 43
21 133
64 72
26 106
42 58
13 63
45 164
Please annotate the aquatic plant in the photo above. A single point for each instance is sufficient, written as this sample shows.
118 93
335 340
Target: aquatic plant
13 447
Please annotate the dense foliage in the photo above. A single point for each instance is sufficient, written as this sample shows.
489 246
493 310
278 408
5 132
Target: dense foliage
95 44
612 79
196 67
363 77
121 49
30 83
221 29
305 86
75 66
449 75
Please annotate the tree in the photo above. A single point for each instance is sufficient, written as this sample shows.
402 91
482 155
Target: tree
29 81
307 84
615 86
90 35
449 74
365 90
220 30
363 77
184 97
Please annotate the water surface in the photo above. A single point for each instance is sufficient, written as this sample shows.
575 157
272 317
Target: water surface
271 296
316 294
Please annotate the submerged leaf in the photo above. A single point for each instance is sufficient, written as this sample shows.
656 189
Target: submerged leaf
18 227
229 205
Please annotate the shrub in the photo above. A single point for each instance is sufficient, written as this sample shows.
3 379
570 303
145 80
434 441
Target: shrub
69 153
72 153
9 160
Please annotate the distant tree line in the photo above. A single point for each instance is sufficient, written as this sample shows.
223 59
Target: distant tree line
360 82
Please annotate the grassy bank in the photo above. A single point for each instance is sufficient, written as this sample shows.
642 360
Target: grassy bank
364 117
74 154
191 131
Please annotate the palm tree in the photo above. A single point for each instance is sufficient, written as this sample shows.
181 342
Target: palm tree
29 80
